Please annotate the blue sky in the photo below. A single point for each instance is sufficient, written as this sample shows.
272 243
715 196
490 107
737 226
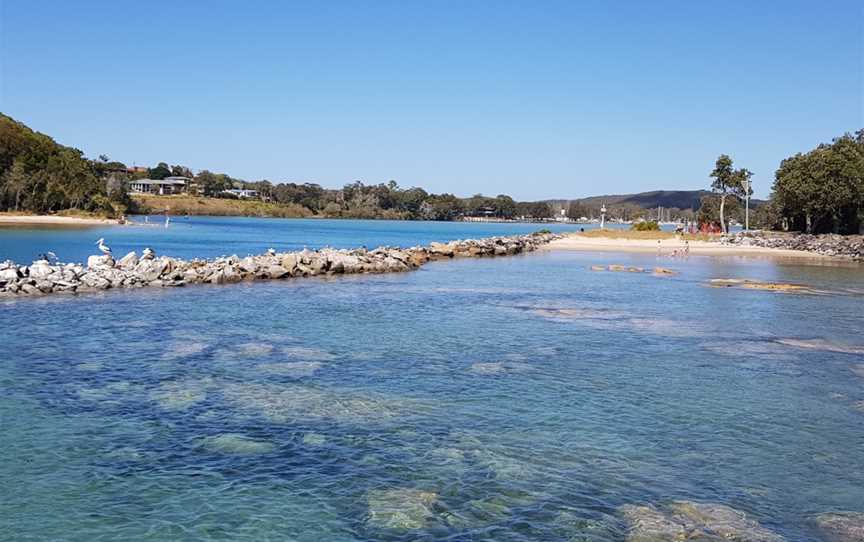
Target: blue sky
534 99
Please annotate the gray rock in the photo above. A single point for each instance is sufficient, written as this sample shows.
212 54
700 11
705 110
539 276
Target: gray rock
276 272
44 286
128 261
101 272
842 526
9 274
100 261
40 270
686 520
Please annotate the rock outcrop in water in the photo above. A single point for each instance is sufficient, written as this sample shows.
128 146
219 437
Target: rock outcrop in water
103 272
686 520
842 526
848 246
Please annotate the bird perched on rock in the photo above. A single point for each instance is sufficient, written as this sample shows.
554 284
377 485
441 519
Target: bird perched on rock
147 253
105 249
271 251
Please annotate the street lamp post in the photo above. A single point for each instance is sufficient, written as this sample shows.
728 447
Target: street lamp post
746 204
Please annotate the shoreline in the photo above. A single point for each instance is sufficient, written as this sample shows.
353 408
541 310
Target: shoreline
667 247
7 219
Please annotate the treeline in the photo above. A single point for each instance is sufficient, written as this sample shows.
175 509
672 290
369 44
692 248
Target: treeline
39 175
389 200
821 191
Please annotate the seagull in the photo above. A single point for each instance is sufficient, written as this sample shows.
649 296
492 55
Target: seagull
147 253
271 251
103 247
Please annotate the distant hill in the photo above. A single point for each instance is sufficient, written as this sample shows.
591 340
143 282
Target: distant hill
680 199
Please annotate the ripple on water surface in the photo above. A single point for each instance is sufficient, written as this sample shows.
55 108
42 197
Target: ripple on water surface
517 399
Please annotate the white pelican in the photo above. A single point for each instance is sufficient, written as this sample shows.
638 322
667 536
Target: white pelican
105 249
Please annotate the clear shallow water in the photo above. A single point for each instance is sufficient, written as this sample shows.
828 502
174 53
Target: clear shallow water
210 237
522 398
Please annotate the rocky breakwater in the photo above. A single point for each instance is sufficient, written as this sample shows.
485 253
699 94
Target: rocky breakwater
847 246
104 272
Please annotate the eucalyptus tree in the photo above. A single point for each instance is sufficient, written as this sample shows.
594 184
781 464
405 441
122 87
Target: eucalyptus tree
729 182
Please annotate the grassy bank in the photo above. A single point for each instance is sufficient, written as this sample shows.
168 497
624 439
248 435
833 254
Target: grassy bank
194 205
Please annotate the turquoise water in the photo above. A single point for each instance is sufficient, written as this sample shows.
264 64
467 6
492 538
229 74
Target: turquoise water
210 237
521 398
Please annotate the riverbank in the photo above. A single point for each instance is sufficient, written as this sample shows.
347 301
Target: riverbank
14 219
102 272
201 206
668 244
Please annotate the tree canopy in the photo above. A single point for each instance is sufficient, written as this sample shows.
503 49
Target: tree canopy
37 174
822 191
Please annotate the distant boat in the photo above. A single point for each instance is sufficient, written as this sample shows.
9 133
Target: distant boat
167 220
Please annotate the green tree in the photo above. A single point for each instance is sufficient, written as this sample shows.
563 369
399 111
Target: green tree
728 182
159 172
823 190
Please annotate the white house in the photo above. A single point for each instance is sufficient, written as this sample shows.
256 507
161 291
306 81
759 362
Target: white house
241 193
163 187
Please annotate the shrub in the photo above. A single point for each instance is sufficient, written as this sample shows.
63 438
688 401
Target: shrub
648 225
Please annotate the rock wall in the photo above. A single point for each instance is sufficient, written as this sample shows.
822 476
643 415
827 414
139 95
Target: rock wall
849 246
103 272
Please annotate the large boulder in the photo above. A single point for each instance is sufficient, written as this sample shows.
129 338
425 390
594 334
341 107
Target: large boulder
842 526
100 261
40 270
9 274
95 281
289 261
128 261
441 250
276 272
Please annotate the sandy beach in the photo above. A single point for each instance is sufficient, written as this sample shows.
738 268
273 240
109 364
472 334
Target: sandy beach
8 219
668 246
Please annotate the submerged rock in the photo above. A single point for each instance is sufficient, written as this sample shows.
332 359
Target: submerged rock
181 394
400 509
184 349
235 443
283 403
499 368
314 439
823 345
721 520
295 369
750 284
687 520
307 353
647 524
842 526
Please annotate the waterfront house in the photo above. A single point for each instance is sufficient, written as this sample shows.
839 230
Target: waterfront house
241 193
162 187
